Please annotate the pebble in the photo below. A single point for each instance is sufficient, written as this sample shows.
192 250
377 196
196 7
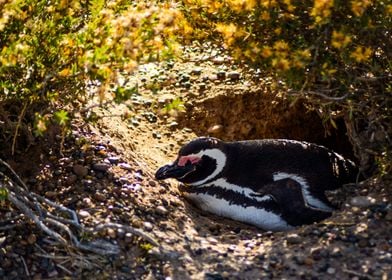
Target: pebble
221 75
161 210
362 201
111 233
331 270
218 60
234 75
84 214
113 159
125 166
293 238
100 197
196 71
147 226
215 129
31 239
80 170
212 240
50 194
71 179
103 167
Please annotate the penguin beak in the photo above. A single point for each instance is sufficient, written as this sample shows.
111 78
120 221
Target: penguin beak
174 171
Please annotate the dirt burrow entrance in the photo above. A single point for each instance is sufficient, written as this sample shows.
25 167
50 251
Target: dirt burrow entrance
260 113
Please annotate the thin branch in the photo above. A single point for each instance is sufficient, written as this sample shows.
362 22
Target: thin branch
32 206
22 113
320 94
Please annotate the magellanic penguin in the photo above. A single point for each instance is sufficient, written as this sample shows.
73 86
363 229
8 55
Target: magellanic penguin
274 184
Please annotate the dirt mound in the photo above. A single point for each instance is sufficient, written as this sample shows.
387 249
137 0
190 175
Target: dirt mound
244 113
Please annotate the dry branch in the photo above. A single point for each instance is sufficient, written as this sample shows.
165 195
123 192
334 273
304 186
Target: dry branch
53 223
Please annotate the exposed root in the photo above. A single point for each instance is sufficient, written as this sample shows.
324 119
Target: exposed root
57 221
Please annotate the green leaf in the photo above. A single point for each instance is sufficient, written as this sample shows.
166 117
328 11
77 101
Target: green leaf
61 117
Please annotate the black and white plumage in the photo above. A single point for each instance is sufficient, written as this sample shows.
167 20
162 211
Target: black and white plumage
272 184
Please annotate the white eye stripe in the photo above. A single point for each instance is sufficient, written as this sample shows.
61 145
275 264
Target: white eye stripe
220 159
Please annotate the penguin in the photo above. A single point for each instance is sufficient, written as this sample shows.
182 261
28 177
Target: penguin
273 184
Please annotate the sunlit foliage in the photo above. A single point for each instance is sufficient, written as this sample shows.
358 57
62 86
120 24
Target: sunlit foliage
335 53
51 50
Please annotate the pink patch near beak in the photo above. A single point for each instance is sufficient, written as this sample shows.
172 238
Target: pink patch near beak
184 159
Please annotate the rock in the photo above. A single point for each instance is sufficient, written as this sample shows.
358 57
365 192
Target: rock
234 75
161 210
70 180
84 214
215 129
50 194
218 60
31 239
196 71
331 270
293 239
212 240
221 75
362 201
111 233
100 197
103 167
80 170
114 159
125 166
147 226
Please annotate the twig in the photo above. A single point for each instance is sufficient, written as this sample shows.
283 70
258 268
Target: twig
25 266
330 98
22 113
361 275
32 206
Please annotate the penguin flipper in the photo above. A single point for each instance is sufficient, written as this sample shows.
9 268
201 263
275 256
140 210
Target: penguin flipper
287 193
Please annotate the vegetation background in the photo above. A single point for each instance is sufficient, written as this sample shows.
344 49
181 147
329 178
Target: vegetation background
59 59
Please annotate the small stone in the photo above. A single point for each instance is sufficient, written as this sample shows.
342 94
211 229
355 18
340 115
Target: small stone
100 197
362 201
113 159
196 71
50 194
80 170
212 240
125 166
152 183
53 273
331 270
31 239
70 180
308 261
215 129
103 167
84 214
218 60
234 75
293 239
221 75
202 86
147 226
161 210
111 233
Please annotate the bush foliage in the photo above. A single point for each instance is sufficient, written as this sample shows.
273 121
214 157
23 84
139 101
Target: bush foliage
336 53
51 50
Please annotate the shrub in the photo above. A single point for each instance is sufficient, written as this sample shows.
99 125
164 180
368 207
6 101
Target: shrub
52 52
337 54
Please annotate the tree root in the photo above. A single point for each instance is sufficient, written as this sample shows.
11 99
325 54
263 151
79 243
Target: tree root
50 217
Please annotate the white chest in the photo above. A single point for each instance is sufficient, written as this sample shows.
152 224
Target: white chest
251 215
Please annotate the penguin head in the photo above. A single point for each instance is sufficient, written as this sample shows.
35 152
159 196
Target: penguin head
198 161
